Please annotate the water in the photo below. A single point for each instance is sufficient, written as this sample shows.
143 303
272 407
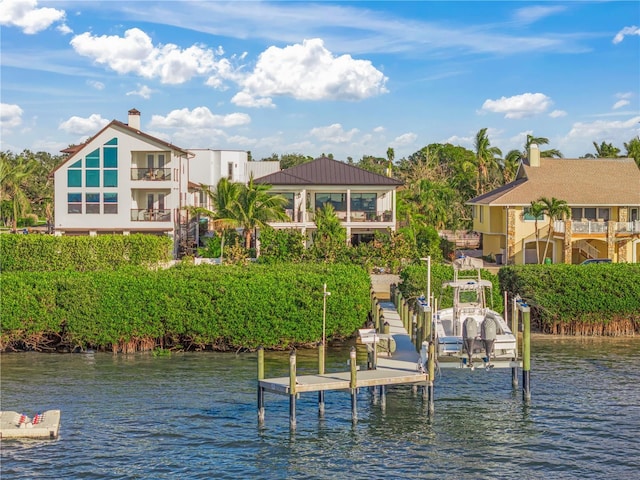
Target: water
194 416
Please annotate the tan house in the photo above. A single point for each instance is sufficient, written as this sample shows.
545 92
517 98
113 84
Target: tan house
602 193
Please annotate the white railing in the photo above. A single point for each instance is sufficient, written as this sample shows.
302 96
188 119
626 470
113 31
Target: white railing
628 227
558 226
588 226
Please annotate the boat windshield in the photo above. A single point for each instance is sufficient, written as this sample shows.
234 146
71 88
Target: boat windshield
469 296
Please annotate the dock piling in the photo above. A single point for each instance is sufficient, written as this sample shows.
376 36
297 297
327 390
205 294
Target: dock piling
526 352
321 354
353 384
260 388
292 389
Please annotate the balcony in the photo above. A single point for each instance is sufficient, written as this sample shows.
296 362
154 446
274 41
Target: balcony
147 215
151 174
595 227
371 216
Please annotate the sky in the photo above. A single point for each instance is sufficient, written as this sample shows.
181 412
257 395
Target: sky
347 78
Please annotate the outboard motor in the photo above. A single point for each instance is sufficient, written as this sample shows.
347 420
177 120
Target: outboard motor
469 334
488 333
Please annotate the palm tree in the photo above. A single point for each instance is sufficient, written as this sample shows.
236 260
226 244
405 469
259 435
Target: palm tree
551 153
13 180
633 149
485 158
390 156
330 236
606 150
536 209
510 165
223 201
256 207
556 210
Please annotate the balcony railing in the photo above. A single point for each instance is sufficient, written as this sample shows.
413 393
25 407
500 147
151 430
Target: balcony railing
151 174
589 226
370 216
148 215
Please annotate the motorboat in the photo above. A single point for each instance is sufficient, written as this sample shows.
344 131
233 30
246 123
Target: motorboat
470 331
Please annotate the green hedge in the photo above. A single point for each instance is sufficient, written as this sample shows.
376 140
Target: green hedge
190 306
592 294
413 283
47 253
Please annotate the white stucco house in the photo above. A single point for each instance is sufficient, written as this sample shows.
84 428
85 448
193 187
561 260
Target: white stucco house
124 181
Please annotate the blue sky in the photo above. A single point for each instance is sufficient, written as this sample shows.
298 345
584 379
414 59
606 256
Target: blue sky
348 78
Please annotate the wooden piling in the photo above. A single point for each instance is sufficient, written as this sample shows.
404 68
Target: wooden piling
260 388
526 352
353 384
514 330
292 390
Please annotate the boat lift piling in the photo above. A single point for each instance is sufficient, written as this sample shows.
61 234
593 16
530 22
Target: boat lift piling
526 350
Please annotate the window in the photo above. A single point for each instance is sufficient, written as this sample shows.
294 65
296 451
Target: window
481 213
363 202
93 159
92 178
110 178
74 203
230 171
74 178
576 214
604 214
528 216
289 196
92 202
110 159
110 203
590 213
335 199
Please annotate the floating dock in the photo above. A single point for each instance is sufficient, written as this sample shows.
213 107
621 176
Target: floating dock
42 426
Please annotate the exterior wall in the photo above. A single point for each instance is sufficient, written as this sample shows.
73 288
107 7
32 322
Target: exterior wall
209 166
131 193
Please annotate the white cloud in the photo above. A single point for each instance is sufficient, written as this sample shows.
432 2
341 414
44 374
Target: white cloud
198 118
83 126
620 104
143 91
243 99
535 13
404 139
64 29
333 133
10 115
309 71
462 141
558 114
519 106
95 84
379 129
25 15
616 131
632 30
135 54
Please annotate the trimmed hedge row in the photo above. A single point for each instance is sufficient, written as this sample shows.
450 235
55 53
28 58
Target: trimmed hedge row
187 306
596 294
47 253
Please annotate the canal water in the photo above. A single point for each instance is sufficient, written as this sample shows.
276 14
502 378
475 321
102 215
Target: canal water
193 415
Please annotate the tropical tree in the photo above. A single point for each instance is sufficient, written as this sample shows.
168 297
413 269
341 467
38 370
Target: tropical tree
555 210
223 200
14 176
550 153
390 156
633 149
330 236
606 150
510 165
256 206
485 158
536 209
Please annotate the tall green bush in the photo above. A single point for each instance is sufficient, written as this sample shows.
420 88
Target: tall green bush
47 253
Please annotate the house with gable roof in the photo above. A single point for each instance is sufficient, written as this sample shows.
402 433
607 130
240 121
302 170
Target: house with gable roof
602 193
124 181
365 202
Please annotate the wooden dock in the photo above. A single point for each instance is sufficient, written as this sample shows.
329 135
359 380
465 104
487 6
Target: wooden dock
389 368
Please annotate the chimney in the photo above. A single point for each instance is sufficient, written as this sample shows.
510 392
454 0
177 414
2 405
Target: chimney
534 155
134 119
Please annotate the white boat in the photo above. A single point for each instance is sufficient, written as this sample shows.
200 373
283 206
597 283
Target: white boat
18 425
470 331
